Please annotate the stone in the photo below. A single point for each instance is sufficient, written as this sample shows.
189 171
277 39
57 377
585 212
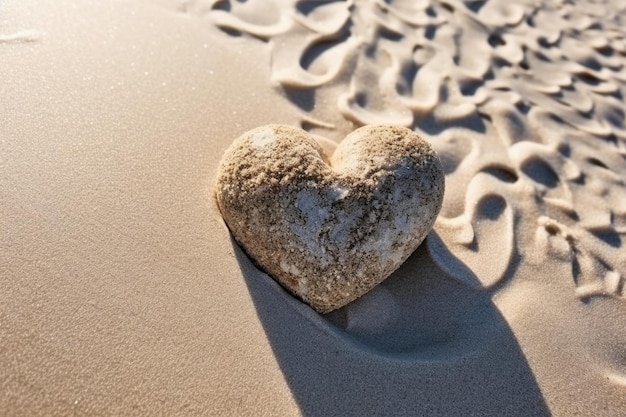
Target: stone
329 229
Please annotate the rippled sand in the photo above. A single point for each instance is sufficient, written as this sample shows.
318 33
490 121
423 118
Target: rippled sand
122 292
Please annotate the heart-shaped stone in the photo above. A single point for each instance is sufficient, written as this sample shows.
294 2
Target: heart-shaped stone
329 230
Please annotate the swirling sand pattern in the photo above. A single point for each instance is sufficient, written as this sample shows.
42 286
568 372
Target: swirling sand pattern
522 100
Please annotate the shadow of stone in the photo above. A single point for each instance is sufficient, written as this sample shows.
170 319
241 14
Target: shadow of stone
421 343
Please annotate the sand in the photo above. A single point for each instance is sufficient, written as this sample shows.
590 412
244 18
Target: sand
122 292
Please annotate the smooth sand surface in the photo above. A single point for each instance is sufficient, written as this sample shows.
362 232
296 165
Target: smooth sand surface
122 292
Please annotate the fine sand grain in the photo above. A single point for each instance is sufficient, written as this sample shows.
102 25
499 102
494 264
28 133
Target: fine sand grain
123 293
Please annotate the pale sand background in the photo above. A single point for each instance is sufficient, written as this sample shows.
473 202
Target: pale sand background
121 292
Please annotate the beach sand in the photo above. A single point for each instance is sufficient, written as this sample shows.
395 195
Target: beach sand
123 293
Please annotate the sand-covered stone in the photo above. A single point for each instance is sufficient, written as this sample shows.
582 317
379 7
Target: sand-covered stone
329 230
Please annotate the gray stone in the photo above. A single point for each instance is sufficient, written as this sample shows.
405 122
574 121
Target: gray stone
329 230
